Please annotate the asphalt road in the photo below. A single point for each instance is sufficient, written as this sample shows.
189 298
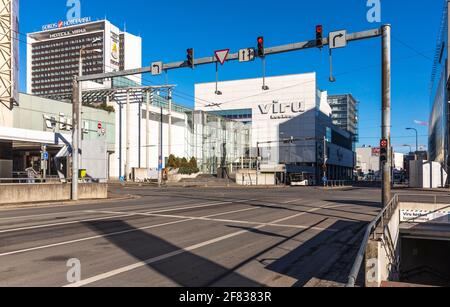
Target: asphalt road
192 237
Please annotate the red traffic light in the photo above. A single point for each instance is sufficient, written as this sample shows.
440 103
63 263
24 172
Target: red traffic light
190 57
261 51
319 29
384 143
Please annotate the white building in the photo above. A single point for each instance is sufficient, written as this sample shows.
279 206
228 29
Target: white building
368 160
292 108
53 55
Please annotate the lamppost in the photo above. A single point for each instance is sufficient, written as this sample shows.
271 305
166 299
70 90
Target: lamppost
417 137
76 127
410 147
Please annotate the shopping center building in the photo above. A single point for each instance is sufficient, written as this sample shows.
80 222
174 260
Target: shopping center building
287 124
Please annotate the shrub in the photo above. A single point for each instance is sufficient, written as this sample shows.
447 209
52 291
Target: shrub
172 162
185 167
186 170
193 163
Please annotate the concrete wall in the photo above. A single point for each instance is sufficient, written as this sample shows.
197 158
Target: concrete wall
33 193
249 178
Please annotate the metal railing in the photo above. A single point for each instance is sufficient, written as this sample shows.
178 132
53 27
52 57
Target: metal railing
25 180
379 220
338 183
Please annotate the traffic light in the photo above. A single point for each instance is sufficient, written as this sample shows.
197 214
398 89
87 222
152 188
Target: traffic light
261 51
190 57
319 36
384 145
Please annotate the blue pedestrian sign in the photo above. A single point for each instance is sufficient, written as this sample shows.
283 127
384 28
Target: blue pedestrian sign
45 156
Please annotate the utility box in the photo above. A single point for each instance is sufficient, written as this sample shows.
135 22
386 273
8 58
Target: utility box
427 175
95 160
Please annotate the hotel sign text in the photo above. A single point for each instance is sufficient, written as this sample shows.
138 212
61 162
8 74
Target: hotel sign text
67 23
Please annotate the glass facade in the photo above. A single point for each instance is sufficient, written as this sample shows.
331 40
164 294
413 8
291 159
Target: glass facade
218 142
439 118
244 115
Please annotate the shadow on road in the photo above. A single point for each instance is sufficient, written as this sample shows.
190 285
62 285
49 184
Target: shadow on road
326 257
185 269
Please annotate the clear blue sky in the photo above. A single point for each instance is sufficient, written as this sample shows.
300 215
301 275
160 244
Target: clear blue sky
168 27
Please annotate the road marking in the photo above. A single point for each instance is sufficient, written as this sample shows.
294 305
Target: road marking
64 223
74 212
122 214
292 201
90 238
107 235
210 219
153 260
166 256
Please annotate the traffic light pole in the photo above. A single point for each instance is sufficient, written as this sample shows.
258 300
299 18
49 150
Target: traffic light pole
386 117
234 56
384 32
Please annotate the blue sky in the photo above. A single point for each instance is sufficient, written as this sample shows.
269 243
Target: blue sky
168 27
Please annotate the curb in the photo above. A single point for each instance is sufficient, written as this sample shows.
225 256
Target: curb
58 204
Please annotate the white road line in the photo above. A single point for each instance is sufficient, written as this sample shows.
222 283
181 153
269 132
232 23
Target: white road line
210 219
90 238
106 235
122 214
153 260
292 201
207 219
74 212
165 256
65 223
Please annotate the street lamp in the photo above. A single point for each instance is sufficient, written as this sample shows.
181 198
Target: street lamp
410 147
76 127
417 137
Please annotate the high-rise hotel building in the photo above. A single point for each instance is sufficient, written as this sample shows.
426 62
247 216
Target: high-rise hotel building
53 55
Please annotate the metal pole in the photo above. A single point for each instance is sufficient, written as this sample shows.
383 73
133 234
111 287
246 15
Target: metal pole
169 92
264 87
160 154
75 126
234 56
139 132
147 129
257 163
325 156
386 109
120 137
417 140
127 141
80 107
